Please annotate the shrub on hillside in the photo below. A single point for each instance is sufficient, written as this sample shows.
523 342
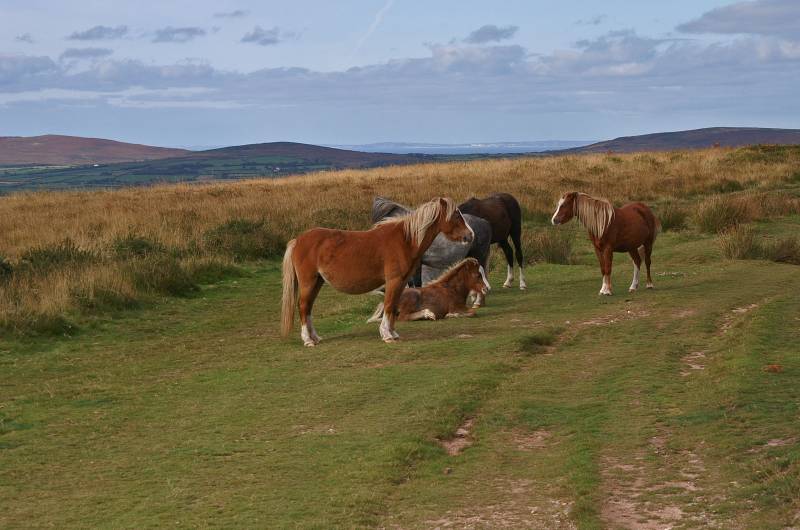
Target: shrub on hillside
210 270
739 242
6 270
719 213
58 255
134 246
551 245
672 217
725 186
243 239
160 274
785 250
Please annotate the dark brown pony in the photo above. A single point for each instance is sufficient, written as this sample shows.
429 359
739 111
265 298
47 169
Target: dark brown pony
632 229
504 214
357 262
446 296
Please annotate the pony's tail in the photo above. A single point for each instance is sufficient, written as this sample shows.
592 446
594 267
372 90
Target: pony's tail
289 299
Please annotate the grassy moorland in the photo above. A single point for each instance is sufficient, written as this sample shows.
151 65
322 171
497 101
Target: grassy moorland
144 382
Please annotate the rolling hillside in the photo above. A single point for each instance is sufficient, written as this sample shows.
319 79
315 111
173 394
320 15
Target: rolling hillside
694 139
58 150
228 163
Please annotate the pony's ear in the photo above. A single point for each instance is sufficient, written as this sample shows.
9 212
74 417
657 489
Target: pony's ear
443 202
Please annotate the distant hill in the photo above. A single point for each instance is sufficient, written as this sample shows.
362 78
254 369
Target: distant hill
329 156
694 139
228 163
57 150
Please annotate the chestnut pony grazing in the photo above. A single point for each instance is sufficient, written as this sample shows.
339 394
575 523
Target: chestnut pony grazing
445 296
356 262
632 229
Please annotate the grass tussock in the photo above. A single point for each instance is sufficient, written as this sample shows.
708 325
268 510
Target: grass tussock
62 249
672 216
548 245
742 242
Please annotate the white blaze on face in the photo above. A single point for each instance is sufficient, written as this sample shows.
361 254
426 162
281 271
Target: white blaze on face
485 280
558 207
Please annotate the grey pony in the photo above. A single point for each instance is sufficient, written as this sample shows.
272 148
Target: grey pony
442 253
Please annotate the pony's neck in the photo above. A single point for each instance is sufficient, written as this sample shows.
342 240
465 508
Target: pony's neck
427 241
595 215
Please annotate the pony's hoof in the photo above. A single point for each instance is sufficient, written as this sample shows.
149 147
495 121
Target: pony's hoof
507 285
523 287
309 344
604 293
390 340
651 286
632 289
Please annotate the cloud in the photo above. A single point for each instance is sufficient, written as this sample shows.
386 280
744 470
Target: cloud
593 21
25 69
618 74
760 17
100 33
263 37
25 37
85 53
238 13
491 33
376 21
180 35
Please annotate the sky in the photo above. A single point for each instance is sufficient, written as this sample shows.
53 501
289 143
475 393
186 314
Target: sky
226 72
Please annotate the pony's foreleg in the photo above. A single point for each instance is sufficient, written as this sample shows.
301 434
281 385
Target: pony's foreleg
606 256
648 249
394 289
308 293
509 254
637 263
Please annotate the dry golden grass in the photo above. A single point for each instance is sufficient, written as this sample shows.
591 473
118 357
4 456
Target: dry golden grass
178 221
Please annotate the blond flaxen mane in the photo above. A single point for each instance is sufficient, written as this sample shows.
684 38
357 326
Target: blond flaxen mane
595 214
417 222
448 274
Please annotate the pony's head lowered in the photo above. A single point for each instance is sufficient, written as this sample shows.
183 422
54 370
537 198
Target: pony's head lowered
469 272
594 214
441 213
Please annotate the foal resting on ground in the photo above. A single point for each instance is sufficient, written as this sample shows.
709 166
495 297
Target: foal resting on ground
632 229
446 296
357 262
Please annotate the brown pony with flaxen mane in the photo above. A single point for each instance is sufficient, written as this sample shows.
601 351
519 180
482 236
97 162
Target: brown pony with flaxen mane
631 228
446 296
357 262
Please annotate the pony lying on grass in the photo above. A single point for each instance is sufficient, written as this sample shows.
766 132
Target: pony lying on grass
357 262
444 297
631 228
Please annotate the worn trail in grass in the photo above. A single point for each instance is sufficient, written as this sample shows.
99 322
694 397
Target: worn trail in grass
641 410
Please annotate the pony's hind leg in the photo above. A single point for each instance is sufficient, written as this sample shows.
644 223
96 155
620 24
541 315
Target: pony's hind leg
648 249
637 263
509 253
425 314
309 289
516 238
